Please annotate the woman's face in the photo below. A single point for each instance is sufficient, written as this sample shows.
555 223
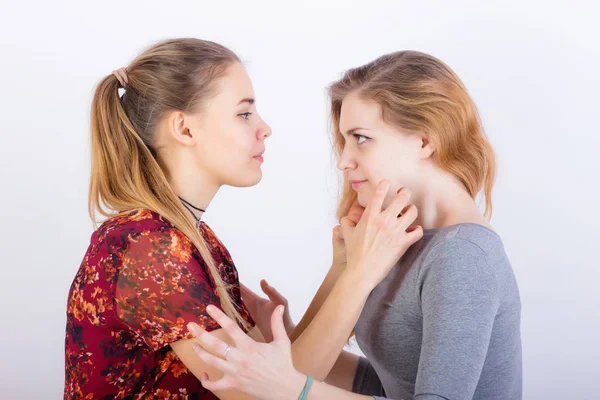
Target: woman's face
374 150
230 132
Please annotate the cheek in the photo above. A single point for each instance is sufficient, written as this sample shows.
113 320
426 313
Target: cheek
375 168
237 146
388 167
398 168
365 196
223 156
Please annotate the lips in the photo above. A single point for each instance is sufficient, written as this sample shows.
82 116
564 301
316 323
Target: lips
259 156
356 183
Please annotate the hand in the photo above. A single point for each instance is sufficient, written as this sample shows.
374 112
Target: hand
339 246
261 309
261 370
381 237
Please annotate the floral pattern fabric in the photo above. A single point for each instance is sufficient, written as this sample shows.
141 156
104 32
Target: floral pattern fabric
141 281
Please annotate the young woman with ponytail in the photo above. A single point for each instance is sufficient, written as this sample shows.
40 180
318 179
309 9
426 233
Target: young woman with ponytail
185 125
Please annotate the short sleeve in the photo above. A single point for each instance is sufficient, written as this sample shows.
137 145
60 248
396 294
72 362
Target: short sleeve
161 287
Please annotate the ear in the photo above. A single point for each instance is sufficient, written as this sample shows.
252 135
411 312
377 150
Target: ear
427 147
178 128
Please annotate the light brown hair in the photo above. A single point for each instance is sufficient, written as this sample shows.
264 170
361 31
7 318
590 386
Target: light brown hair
127 172
419 93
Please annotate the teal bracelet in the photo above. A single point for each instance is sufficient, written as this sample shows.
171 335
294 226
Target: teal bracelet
309 381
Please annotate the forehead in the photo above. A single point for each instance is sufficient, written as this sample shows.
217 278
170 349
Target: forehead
358 112
234 86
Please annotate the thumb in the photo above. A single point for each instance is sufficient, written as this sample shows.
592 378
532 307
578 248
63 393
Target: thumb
277 327
272 293
337 233
247 294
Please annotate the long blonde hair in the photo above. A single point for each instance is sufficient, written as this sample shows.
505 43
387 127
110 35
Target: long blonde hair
126 173
418 92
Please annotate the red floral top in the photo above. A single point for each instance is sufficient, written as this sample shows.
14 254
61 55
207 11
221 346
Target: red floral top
140 283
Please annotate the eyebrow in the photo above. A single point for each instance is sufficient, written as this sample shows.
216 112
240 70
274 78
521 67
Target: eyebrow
248 100
353 131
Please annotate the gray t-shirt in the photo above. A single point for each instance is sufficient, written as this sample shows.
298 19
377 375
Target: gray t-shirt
445 323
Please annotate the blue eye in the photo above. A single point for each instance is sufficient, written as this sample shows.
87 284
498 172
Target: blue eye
245 115
359 137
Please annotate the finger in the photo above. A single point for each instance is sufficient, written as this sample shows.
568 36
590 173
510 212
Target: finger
337 231
273 293
222 385
346 225
398 204
214 361
414 234
247 293
277 327
374 207
409 215
266 288
240 339
209 342
355 212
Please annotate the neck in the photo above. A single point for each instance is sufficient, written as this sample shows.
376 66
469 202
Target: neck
195 190
444 201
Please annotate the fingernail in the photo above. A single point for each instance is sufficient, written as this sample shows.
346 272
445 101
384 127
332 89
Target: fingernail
281 309
192 327
210 308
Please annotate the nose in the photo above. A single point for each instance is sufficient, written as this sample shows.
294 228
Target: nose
264 131
346 162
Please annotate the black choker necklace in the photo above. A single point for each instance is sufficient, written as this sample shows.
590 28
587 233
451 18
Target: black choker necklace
187 205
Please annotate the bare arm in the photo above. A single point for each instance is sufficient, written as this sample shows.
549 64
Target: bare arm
338 266
375 245
317 302
344 369
185 351
323 391
318 343
318 347
313 353
264 370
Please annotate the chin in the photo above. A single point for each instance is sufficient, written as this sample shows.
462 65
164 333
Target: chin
362 201
246 180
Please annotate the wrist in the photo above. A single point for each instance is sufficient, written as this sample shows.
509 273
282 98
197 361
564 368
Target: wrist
338 266
295 386
355 278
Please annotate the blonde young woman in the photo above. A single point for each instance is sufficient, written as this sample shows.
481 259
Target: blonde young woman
445 323
186 125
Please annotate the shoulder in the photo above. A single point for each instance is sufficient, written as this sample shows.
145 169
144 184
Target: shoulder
131 223
463 242
141 232
463 257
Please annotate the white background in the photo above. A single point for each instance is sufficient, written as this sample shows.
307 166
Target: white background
532 67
